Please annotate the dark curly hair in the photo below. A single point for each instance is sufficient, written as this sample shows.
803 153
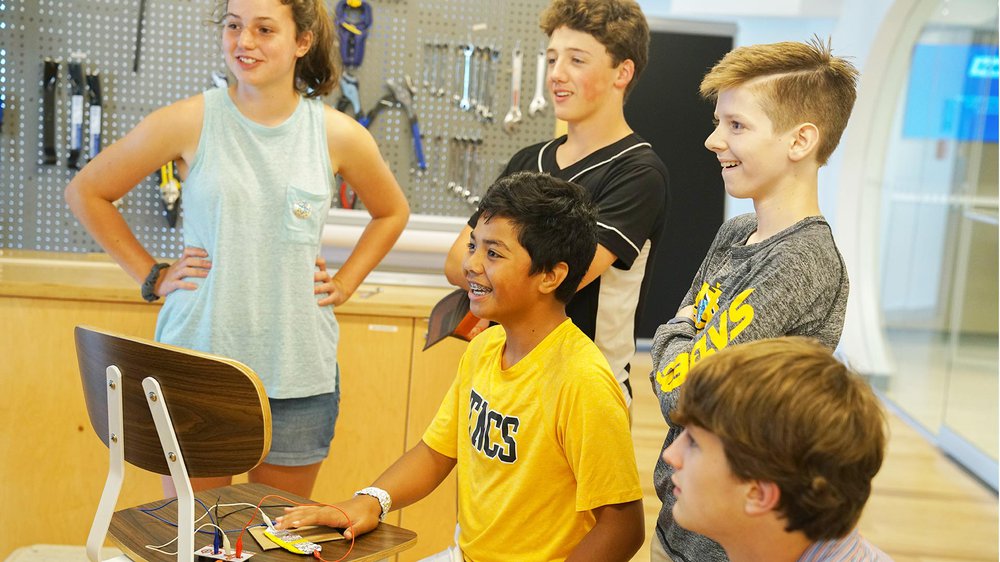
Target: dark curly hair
554 220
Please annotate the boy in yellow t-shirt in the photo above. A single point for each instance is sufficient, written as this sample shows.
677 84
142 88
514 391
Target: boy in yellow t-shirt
535 421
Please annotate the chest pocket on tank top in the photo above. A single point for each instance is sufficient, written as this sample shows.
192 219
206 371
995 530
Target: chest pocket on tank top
304 215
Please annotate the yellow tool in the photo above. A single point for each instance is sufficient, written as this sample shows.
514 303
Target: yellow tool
170 192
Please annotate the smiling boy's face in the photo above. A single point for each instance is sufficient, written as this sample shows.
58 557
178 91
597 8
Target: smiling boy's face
497 269
753 156
581 77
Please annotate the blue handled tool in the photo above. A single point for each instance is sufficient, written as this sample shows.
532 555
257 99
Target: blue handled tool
350 97
400 95
353 18
404 96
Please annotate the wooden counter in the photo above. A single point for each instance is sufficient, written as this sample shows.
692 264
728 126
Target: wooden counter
54 466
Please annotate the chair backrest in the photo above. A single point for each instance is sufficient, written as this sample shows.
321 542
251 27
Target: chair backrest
218 406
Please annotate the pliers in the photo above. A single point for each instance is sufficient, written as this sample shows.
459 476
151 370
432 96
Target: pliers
400 95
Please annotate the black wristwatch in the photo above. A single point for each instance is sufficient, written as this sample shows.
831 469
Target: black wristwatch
149 285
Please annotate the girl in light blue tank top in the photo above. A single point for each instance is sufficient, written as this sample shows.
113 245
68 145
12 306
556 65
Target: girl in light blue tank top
259 160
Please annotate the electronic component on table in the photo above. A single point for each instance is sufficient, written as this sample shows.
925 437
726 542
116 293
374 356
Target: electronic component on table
292 542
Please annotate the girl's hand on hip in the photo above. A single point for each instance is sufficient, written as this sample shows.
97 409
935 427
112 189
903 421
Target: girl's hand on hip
325 283
192 263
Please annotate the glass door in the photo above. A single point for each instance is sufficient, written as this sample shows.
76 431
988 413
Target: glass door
938 244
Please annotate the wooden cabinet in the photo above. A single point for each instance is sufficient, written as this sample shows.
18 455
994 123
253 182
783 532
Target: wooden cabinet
54 466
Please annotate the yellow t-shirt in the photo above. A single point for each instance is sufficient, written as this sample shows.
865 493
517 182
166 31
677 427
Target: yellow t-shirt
537 445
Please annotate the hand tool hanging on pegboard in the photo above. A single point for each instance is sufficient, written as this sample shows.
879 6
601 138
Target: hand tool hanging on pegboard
350 96
400 95
138 35
513 116
353 18
75 113
170 193
96 114
219 79
538 103
49 79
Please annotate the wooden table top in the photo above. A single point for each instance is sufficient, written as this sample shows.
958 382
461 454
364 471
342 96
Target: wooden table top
131 529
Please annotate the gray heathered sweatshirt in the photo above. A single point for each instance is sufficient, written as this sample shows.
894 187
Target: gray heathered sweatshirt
793 283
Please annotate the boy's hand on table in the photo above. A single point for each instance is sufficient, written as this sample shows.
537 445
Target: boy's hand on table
363 511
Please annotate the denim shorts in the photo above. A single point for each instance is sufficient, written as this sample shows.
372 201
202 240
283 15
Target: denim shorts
302 428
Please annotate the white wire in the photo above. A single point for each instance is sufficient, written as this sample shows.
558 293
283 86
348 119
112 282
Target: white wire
267 521
173 540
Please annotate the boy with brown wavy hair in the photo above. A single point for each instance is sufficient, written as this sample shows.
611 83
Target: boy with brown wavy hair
780 446
597 49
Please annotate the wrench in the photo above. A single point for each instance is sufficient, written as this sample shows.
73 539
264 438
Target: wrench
474 79
428 51
484 70
513 116
464 104
490 81
538 102
440 72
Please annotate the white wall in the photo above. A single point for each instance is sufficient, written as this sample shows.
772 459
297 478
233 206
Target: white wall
851 25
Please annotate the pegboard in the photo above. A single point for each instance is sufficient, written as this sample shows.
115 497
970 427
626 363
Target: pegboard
180 49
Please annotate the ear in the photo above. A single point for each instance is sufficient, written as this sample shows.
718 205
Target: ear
626 71
304 43
550 280
804 141
762 497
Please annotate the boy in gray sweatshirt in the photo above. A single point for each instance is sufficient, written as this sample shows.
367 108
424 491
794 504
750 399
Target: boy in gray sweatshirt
780 112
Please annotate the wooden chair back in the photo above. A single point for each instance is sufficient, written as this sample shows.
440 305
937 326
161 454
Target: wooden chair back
218 406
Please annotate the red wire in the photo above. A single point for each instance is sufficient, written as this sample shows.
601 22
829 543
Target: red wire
316 554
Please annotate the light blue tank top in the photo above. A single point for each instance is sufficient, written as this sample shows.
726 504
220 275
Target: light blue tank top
256 199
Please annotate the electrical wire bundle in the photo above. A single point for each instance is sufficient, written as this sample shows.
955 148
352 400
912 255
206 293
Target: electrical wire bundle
220 540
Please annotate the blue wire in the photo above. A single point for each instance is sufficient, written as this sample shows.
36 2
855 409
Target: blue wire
149 511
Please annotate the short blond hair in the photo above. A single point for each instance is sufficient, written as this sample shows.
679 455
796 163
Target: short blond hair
803 82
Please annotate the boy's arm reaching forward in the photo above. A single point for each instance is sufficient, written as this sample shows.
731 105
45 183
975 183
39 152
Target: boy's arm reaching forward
417 473
618 534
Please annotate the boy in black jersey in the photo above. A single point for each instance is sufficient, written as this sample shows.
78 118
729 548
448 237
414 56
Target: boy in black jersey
597 50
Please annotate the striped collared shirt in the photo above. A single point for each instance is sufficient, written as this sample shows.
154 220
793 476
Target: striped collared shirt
852 548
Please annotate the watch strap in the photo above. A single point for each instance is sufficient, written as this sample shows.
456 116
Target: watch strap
381 495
